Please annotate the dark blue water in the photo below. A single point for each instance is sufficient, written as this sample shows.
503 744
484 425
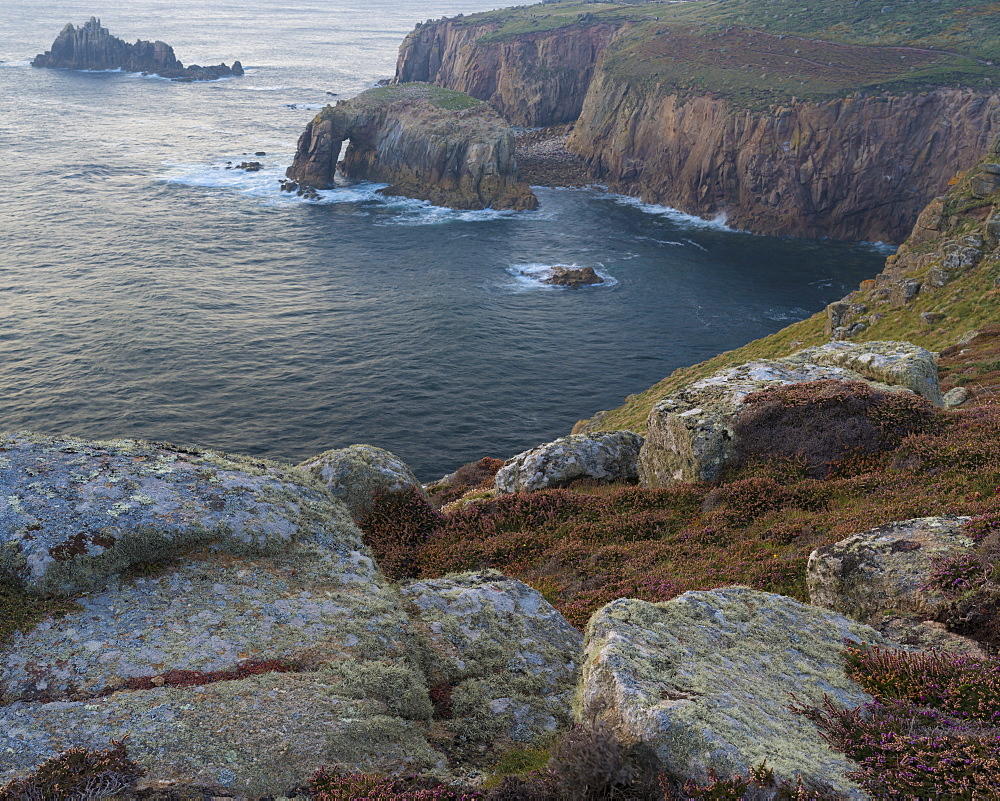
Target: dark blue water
147 291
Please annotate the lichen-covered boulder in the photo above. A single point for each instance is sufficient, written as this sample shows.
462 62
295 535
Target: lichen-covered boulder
224 617
899 364
914 634
502 663
73 512
607 457
887 569
359 473
690 434
705 681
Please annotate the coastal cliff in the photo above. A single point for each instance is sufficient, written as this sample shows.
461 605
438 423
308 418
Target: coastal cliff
532 79
92 47
427 143
788 128
856 168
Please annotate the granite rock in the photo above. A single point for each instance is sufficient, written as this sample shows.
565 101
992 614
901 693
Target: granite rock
705 681
887 569
357 474
604 457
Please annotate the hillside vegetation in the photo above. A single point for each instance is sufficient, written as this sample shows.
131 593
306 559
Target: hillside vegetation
757 54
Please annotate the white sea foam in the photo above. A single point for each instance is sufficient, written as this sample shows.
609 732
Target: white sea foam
533 275
15 63
306 106
688 220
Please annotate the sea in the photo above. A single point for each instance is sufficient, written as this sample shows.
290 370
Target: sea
150 290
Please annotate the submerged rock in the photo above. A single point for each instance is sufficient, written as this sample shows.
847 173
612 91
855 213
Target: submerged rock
705 681
691 433
607 457
91 47
356 475
573 276
887 569
427 143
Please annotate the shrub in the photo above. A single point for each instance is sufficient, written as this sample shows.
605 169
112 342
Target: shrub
77 774
931 730
335 786
395 526
821 423
474 475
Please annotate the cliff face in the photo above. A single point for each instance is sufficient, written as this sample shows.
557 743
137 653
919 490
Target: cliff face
851 168
859 166
532 79
91 47
427 144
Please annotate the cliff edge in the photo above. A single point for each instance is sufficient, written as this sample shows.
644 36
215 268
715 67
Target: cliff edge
802 119
426 143
92 47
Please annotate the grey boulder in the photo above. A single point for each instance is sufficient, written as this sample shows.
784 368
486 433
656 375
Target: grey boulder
604 457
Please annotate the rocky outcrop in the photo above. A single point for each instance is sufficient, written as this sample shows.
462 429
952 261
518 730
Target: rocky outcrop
425 142
858 168
955 240
705 681
601 457
888 569
359 474
691 434
532 79
502 663
224 616
91 47
573 277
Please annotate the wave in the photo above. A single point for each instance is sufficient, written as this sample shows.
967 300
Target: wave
533 275
265 185
680 217
8 64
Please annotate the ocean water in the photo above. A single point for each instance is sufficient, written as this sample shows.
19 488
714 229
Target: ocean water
148 291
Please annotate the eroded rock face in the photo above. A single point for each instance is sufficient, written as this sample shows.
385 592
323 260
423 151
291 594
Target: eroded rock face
887 569
92 47
502 662
606 457
427 143
705 681
357 474
74 512
690 434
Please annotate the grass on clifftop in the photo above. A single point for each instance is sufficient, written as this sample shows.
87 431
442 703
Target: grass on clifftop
757 54
446 99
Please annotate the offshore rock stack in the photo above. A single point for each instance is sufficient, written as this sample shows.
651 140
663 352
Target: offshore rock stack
92 47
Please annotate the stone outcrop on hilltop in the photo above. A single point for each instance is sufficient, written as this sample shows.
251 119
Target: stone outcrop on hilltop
692 434
226 618
426 143
92 47
858 167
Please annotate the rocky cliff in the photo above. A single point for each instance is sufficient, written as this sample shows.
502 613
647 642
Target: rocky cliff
779 133
92 47
427 143
858 168
533 79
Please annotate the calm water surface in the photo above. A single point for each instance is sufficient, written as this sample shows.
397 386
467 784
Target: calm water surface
147 291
